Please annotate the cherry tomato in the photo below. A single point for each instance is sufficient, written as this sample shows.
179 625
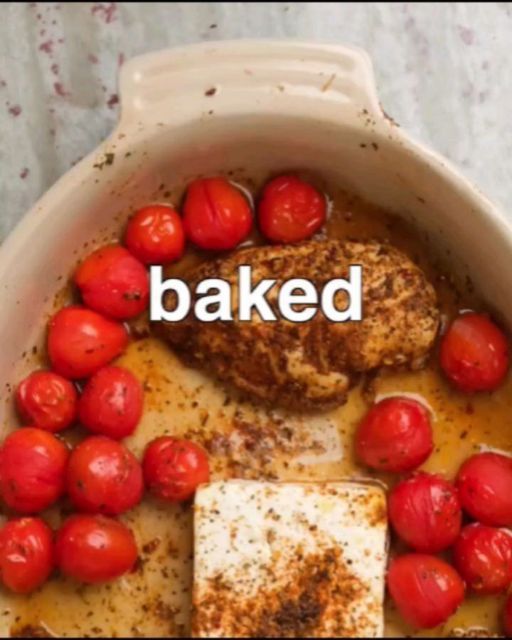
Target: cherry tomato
111 402
94 549
474 353
507 617
47 400
425 589
113 282
290 210
81 341
483 557
395 435
32 469
216 215
173 469
425 512
26 554
155 235
485 488
103 477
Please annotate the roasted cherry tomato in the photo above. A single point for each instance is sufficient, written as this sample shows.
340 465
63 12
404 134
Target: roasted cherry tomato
485 488
507 617
32 469
425 512
290 210
173 469
474 353
216 215
111 403
26 554
395 435
103 476
81 341
94 549
113 282
47 400
483 557
155 235
425 589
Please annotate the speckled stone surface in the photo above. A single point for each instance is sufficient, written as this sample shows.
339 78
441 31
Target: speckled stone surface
443 72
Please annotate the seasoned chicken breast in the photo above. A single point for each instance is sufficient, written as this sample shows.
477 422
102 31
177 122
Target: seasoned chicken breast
311 365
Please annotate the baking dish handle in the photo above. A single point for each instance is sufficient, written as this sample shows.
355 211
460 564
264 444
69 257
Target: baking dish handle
195 80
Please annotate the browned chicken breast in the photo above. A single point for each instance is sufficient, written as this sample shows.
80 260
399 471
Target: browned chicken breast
312 365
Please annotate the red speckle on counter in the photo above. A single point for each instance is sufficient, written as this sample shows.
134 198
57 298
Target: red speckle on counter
105 10
24 173
93 59
55 69
120 59
47 47
113 100
59 89
466 35
15 110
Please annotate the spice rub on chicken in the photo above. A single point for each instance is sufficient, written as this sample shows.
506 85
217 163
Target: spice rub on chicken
312 365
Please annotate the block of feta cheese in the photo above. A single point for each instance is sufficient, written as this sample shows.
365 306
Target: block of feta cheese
289 560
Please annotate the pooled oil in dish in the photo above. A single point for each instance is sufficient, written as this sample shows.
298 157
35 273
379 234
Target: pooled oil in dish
246 441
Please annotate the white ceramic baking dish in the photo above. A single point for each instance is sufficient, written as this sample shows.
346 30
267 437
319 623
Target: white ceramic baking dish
251 105
243 106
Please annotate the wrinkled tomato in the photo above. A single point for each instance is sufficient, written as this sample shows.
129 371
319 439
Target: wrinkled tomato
81 341
485 488
290 210
483 557
113 282
216 215
103 476
94 549
155 235
32 469
474 353
173 468
26 554
111 402
395 435
425 589
47 401
425 512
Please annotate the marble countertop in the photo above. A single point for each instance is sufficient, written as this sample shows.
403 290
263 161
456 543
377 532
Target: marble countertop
442 72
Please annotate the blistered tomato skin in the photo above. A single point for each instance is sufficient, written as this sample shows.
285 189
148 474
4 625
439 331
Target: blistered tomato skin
47 401
32 470
81 341
425 512
474 353
290 210
113 283
216 215
111 403
395 435
485 488
425 589
103 477
155 235
94 549
173 468
483 557
26 554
